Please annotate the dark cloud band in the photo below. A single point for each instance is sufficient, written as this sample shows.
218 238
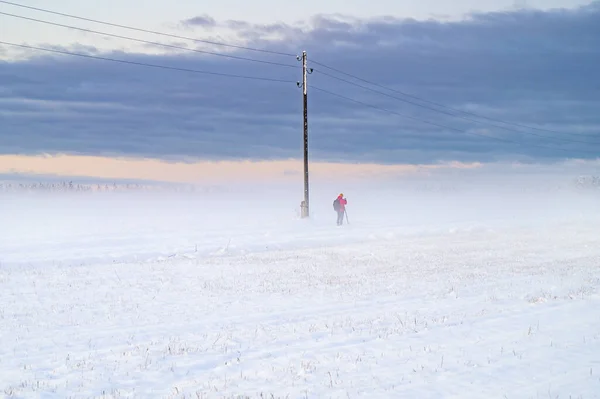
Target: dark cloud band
532 67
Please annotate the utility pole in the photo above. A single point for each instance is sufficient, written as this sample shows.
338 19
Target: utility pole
305 71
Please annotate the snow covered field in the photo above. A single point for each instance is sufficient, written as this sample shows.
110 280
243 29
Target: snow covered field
472 293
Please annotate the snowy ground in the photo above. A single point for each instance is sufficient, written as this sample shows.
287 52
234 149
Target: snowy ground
423 295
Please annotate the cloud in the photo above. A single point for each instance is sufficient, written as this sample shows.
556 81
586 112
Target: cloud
537 68
204 21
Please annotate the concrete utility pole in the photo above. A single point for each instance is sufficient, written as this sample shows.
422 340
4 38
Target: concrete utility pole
305 204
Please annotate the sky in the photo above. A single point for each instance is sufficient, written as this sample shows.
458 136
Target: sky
456 84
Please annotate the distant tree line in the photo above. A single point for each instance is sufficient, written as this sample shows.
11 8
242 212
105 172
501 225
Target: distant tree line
66 186
587 182
70 186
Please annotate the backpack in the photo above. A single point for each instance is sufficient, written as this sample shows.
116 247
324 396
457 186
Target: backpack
336 204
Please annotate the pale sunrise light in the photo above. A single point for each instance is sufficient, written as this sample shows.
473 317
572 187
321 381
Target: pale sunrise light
201 172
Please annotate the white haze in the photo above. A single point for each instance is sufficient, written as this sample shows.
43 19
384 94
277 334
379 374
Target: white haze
261 216
469 284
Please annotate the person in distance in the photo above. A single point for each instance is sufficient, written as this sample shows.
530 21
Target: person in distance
339 205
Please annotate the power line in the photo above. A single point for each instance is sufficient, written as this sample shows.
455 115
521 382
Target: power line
441 105
436 124
448 113
150 42
148 31
149 65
